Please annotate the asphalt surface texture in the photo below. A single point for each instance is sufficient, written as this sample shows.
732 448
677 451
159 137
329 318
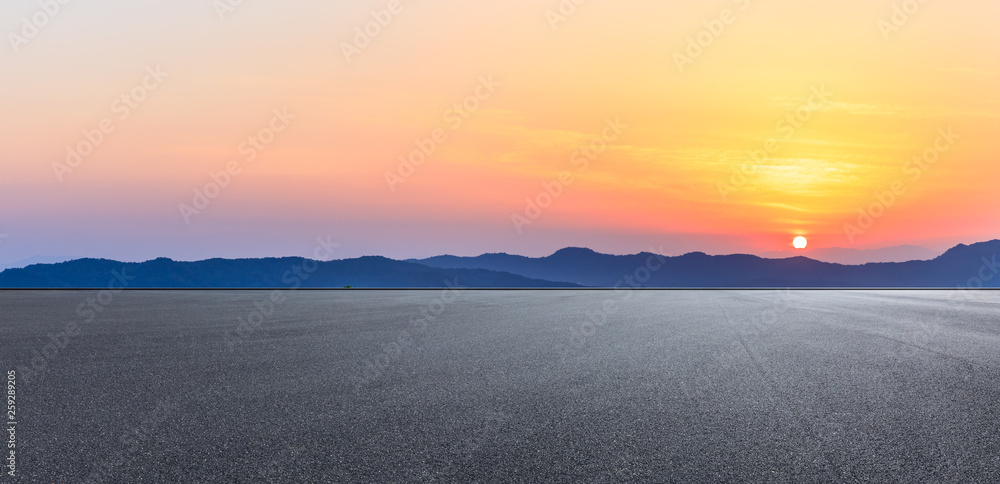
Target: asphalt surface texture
503 386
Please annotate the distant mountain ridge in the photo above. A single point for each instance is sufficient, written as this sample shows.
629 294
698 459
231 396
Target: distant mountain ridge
17 264
583 266
839 255
962 266
371 272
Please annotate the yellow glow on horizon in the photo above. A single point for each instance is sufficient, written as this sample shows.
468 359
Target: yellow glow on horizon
743 113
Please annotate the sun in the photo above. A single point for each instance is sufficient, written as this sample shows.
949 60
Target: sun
800 242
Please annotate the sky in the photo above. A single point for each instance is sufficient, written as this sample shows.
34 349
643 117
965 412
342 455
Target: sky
219 128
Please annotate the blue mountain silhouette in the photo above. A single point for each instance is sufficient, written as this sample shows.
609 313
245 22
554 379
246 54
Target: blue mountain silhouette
962 266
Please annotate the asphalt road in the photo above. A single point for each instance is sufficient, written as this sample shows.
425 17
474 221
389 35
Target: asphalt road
489 386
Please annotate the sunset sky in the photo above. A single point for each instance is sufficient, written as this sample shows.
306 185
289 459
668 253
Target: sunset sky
332 111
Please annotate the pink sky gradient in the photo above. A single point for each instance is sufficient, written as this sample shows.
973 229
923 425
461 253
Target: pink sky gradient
653 186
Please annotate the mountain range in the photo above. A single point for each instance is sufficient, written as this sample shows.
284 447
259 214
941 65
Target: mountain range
32 260
839 255
286 272
961 266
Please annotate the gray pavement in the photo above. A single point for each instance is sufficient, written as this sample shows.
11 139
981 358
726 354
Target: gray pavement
504 386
